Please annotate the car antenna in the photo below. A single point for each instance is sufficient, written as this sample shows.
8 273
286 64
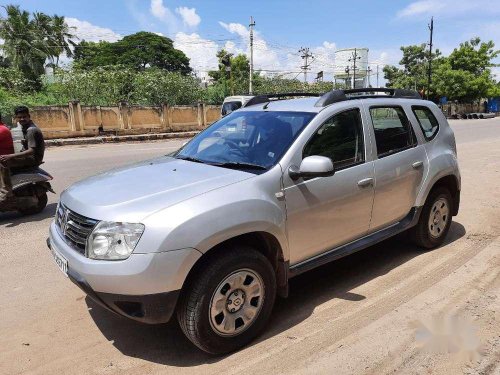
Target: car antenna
266 105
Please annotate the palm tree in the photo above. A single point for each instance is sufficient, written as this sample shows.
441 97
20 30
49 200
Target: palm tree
61 38
23 44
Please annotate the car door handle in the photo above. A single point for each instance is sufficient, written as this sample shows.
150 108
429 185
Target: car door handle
417 164
365 182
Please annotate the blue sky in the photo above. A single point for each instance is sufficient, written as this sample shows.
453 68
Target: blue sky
199 27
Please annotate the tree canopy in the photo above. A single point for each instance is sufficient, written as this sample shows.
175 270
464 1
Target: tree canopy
137 51
465 75
31 39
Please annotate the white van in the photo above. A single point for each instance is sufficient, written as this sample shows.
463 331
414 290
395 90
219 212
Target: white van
232 103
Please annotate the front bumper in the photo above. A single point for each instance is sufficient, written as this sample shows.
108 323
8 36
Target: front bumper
144 287
151 309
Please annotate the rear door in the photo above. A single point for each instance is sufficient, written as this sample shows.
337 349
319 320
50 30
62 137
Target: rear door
399 165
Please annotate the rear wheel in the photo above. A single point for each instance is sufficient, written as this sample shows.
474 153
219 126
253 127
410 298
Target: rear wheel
229 302
435 220
38 207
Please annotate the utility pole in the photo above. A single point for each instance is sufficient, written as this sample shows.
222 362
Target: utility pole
377 76
354 58
305 56
429 80
252 24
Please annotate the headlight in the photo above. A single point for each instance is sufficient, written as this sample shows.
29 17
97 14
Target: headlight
113 241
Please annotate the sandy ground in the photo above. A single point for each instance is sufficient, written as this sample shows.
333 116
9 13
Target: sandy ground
388 309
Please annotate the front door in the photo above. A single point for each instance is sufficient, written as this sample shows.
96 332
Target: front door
326 212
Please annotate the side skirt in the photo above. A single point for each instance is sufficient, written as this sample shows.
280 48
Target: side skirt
339 252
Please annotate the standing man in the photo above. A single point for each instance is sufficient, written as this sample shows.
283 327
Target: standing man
30 156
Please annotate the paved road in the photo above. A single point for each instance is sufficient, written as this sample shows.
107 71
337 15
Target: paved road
390 308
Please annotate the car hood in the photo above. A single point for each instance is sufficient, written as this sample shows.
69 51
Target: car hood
133 192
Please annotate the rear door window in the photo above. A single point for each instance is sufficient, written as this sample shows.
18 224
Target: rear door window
427 121
393 132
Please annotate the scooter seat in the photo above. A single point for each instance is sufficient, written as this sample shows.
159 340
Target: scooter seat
29 175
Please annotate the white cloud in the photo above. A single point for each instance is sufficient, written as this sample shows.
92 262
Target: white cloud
184 19
158 10
264 56
189 16
91 33
450 8
236 28
201 52
421 7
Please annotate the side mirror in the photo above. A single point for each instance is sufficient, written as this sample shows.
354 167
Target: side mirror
312 166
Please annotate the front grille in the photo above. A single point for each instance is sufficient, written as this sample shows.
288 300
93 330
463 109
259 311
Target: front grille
74 228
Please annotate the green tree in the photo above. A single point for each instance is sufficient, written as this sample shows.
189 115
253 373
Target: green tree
30 39
61 39
23 42
413 73
466 75
473 56
137 51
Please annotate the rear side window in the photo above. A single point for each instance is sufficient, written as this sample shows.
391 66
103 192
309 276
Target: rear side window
393 132
340 138
427 121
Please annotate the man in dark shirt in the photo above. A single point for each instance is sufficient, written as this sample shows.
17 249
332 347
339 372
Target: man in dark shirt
30 156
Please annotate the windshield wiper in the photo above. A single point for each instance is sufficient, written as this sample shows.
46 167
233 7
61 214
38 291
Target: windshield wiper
239 165
190 158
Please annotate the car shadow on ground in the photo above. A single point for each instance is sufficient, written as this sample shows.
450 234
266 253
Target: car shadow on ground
166 344
13 219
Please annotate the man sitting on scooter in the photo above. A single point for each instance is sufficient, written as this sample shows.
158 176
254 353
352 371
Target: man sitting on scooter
30 156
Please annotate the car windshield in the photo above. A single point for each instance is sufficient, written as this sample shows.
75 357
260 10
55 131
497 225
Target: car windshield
246 139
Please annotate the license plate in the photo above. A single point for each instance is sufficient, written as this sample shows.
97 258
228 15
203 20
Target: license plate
60 261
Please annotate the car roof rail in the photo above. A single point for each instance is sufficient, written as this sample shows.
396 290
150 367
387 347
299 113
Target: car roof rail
266 98
336 96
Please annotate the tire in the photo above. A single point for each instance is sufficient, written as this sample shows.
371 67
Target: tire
39 207
253 293
439 207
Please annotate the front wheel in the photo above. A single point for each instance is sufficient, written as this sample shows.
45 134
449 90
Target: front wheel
229 302
435 220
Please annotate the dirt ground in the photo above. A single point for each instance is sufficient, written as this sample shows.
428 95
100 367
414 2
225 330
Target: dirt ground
388 309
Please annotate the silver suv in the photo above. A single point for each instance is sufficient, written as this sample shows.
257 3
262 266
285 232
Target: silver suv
214 231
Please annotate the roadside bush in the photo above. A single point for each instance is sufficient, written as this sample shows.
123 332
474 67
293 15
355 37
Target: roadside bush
156 86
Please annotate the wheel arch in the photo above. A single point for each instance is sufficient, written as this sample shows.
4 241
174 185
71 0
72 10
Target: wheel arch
264 242
452 184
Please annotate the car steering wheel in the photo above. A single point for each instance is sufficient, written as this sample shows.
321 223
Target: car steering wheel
235 148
